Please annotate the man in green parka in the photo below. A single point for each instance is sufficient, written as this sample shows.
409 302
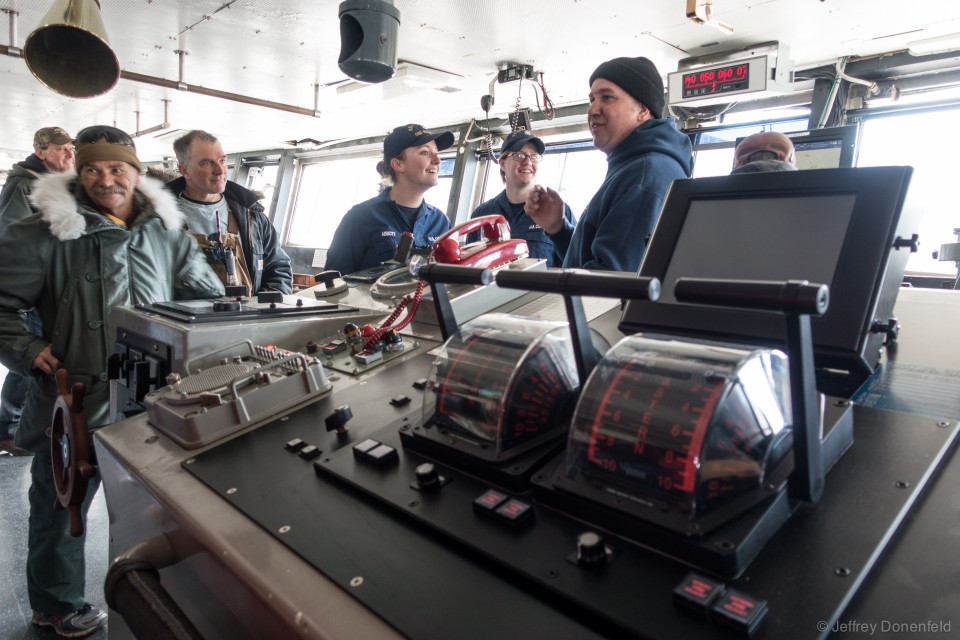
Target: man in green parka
104 237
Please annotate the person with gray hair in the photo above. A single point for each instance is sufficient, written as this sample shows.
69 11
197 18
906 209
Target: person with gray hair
53 152
220 211
103 237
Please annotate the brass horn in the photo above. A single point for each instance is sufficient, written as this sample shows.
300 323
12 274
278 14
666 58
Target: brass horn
69 51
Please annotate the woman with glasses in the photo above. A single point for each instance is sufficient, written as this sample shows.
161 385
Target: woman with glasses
103 237
520 156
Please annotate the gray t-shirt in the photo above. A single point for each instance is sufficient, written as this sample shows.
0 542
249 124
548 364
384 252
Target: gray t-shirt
201 217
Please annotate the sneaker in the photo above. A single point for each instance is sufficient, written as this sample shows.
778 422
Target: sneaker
78 624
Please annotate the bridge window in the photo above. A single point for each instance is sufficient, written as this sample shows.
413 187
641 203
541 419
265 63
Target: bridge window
329 188
920 139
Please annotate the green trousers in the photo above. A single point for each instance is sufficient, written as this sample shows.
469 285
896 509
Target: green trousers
55 563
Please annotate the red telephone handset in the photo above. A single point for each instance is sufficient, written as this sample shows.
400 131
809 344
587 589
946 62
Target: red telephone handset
495 249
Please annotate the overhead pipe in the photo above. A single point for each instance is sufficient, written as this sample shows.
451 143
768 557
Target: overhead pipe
214 93
160 127
180 85
12 50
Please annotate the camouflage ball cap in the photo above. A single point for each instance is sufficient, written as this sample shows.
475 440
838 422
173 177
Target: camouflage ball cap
51 135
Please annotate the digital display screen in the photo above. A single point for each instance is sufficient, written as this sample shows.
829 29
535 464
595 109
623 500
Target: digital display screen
821 154
832 226
707 82
777 238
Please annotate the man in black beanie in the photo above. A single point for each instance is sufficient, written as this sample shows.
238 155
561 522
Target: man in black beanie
645 153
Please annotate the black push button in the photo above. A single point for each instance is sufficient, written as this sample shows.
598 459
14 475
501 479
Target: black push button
489 501
272 297
309 452
295 445
739 611
697 592
365 446
375 452
400 401
382 454
514 512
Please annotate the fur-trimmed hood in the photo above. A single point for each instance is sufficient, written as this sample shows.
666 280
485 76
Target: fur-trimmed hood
53 197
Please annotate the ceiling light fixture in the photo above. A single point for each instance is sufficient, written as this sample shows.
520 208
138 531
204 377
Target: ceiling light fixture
941 44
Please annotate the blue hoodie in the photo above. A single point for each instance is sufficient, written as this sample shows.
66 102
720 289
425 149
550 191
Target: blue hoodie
370 231
612 231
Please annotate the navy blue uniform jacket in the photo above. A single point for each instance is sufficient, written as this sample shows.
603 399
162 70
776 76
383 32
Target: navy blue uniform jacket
611 232
523 227
370 231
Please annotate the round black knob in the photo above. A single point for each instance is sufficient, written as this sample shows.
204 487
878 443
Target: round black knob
226 305
591 549
427 475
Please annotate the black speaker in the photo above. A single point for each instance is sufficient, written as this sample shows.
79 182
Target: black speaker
368 39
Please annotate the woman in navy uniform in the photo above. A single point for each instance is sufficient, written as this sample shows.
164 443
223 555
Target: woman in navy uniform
369 232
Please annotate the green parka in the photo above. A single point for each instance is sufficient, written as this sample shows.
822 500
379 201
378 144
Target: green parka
14 198
73 265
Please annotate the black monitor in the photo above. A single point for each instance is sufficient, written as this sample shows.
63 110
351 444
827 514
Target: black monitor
832 226
833 148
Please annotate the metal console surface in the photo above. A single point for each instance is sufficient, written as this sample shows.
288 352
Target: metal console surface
276 543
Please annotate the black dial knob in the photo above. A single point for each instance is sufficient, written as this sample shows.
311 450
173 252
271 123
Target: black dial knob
591 549
427 475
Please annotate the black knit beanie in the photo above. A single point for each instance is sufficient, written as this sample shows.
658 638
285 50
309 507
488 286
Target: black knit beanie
638 77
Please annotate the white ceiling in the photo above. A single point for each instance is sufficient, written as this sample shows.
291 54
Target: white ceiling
277 50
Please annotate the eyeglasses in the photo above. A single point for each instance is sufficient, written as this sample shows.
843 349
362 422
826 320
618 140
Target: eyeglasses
521 156
91 135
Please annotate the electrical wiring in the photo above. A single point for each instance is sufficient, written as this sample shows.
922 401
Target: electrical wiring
411 303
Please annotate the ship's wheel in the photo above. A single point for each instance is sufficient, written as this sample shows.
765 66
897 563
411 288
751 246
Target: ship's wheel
70 450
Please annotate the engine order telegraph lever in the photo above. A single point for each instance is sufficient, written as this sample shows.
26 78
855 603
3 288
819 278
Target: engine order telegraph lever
797 300
436 275
574 283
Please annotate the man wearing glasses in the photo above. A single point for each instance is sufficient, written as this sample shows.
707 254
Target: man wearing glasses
645 153
520 156
52 153
103 237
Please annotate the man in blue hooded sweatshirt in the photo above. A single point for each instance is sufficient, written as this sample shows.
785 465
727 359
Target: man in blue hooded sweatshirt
645 153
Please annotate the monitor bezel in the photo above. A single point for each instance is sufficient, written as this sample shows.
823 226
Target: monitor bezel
865 274
847 135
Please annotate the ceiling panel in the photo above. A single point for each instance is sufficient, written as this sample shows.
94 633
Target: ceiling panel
280 50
